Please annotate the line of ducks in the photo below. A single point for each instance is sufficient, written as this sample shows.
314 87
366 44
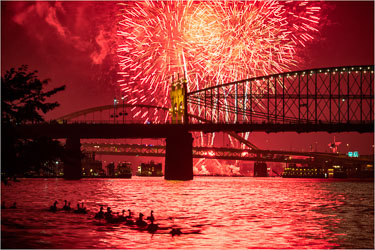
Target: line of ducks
80 209
109 217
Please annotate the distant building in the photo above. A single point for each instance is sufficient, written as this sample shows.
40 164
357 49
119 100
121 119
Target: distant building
91 167
111 169
124 170
150 169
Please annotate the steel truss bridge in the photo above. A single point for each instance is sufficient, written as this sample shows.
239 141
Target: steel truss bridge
328 96
227 154
328 99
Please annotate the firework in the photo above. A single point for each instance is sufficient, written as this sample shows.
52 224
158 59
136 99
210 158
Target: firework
210 42
213 42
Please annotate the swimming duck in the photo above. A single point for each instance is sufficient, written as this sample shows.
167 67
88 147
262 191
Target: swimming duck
175 231
80 210
53 208
83 209
114 219
140 222
66 207
108 215
122 217
130 215
152 227
100 214
151 217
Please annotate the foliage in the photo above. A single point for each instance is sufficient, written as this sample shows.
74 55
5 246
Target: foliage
23 100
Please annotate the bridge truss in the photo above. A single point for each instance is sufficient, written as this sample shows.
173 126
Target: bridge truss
342 95
123 113
226 153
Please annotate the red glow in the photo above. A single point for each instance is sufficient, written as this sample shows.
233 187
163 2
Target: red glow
212 41
211 153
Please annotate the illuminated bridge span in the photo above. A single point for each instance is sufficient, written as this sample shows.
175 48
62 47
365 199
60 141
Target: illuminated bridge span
329 96
228 154
328 99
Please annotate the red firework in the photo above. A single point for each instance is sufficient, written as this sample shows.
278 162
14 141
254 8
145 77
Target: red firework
212 42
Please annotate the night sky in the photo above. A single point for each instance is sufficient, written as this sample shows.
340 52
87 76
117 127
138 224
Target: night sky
73 43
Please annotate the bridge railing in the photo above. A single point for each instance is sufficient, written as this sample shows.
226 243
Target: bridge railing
319 96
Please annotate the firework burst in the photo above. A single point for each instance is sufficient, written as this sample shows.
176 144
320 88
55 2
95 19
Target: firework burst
211 42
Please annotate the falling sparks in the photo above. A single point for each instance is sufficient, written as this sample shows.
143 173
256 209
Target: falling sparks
209 43
212 42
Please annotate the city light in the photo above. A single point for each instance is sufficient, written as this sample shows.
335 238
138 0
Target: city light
211 153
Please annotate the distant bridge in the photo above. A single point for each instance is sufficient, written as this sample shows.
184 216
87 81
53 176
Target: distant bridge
225 153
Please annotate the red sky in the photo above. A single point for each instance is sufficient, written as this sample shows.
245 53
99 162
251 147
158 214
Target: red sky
72 43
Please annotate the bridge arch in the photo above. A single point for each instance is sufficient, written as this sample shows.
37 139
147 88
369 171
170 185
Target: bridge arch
163 111
121 107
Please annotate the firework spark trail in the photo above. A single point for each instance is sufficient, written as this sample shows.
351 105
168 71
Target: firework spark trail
213 42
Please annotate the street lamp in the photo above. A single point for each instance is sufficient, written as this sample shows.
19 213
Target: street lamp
123 109
114 109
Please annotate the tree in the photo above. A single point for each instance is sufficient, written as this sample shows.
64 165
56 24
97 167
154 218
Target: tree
23 100
22 96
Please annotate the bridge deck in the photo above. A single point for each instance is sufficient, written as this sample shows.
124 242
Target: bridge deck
85 130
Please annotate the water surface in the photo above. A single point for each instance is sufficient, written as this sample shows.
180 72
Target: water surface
212 212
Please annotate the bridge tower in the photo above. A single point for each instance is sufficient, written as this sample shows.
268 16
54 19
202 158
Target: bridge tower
178 110
179 148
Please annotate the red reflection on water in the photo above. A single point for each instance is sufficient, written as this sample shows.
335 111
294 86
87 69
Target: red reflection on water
213 213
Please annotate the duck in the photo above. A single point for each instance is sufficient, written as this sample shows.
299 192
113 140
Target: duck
130 214
151 217
100 214
108 215
13 206
83 209
175 231
152 228
80 210
122 217
114 219
66 207
53 208
140 222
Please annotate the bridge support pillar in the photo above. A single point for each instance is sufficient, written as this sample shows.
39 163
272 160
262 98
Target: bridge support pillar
260 169
179 157
72 161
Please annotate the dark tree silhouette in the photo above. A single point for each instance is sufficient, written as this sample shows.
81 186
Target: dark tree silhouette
23 100
22 96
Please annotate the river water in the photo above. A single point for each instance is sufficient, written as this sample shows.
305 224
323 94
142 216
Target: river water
211 212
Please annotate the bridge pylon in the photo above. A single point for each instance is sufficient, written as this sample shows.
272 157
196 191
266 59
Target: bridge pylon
178 93
72 161
179 156
179 145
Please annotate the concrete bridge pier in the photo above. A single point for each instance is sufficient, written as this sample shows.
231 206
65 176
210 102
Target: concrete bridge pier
72 161
179 157
260 169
